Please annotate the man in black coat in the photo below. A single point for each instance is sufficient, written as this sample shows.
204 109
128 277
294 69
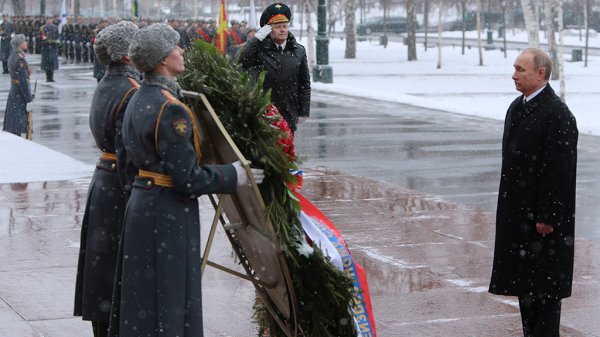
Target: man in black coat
275 50
535 221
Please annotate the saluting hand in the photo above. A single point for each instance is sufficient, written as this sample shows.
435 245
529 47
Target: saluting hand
263 32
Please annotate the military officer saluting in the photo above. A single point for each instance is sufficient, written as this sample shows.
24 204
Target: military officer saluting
161 293
275 50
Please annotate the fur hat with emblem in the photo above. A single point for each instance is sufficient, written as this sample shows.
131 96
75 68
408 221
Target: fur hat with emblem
113 41
17 40
151 45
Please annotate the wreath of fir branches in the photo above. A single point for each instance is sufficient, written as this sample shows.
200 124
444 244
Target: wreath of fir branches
324 293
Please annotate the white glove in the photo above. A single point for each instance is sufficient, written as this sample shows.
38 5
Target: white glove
301 119
29 107
263 32
258 174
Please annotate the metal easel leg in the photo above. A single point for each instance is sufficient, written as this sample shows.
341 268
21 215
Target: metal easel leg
211 235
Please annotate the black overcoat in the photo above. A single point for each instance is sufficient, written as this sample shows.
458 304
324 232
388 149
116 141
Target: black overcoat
15 115
161 291
107 198
287 74
539 161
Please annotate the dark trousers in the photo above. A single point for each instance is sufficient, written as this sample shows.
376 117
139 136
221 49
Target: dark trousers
49 75
100 328
540 317
5 67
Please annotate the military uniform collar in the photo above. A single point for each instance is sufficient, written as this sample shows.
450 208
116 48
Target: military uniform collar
122 69
172 86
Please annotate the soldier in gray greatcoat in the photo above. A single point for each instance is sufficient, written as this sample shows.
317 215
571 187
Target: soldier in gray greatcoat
50 41
107 195
161 290
19 96
7 28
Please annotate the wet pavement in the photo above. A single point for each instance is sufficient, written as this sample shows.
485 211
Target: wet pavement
413 191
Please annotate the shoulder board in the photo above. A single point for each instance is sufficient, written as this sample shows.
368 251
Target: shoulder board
169 96
134 83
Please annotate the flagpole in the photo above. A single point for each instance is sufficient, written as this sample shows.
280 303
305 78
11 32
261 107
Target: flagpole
63 16
252 18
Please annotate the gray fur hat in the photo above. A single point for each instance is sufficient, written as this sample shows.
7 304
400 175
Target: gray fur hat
113 41
151 45
17 40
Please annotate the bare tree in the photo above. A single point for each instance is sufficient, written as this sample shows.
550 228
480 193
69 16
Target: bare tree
411 40
561 48
350 30
479 29
463 14
531 16
18 7
586 14
426 21
440 24
549 19
310 34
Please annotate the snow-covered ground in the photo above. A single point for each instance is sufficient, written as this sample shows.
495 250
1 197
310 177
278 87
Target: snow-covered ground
28 161
461 85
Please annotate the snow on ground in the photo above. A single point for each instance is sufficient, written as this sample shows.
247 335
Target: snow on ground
461 85
30 162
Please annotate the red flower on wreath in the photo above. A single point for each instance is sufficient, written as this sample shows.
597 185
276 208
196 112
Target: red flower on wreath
287 139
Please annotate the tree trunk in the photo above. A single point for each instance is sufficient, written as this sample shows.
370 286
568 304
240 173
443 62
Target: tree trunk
350 30
561 49
463 10
586 16
531 17
411 40
310 37
426 21
18 7
76 7
479 28
440 7
549 14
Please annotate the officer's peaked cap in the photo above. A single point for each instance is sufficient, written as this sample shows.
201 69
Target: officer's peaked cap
151 45
275 13
113 41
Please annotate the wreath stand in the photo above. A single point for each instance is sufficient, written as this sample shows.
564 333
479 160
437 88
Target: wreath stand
253 240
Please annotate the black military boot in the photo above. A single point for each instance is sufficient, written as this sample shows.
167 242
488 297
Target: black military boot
49 76
5 67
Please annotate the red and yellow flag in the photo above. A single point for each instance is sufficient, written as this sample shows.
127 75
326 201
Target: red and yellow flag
221 38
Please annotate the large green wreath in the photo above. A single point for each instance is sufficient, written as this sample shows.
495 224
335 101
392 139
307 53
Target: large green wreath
324 292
